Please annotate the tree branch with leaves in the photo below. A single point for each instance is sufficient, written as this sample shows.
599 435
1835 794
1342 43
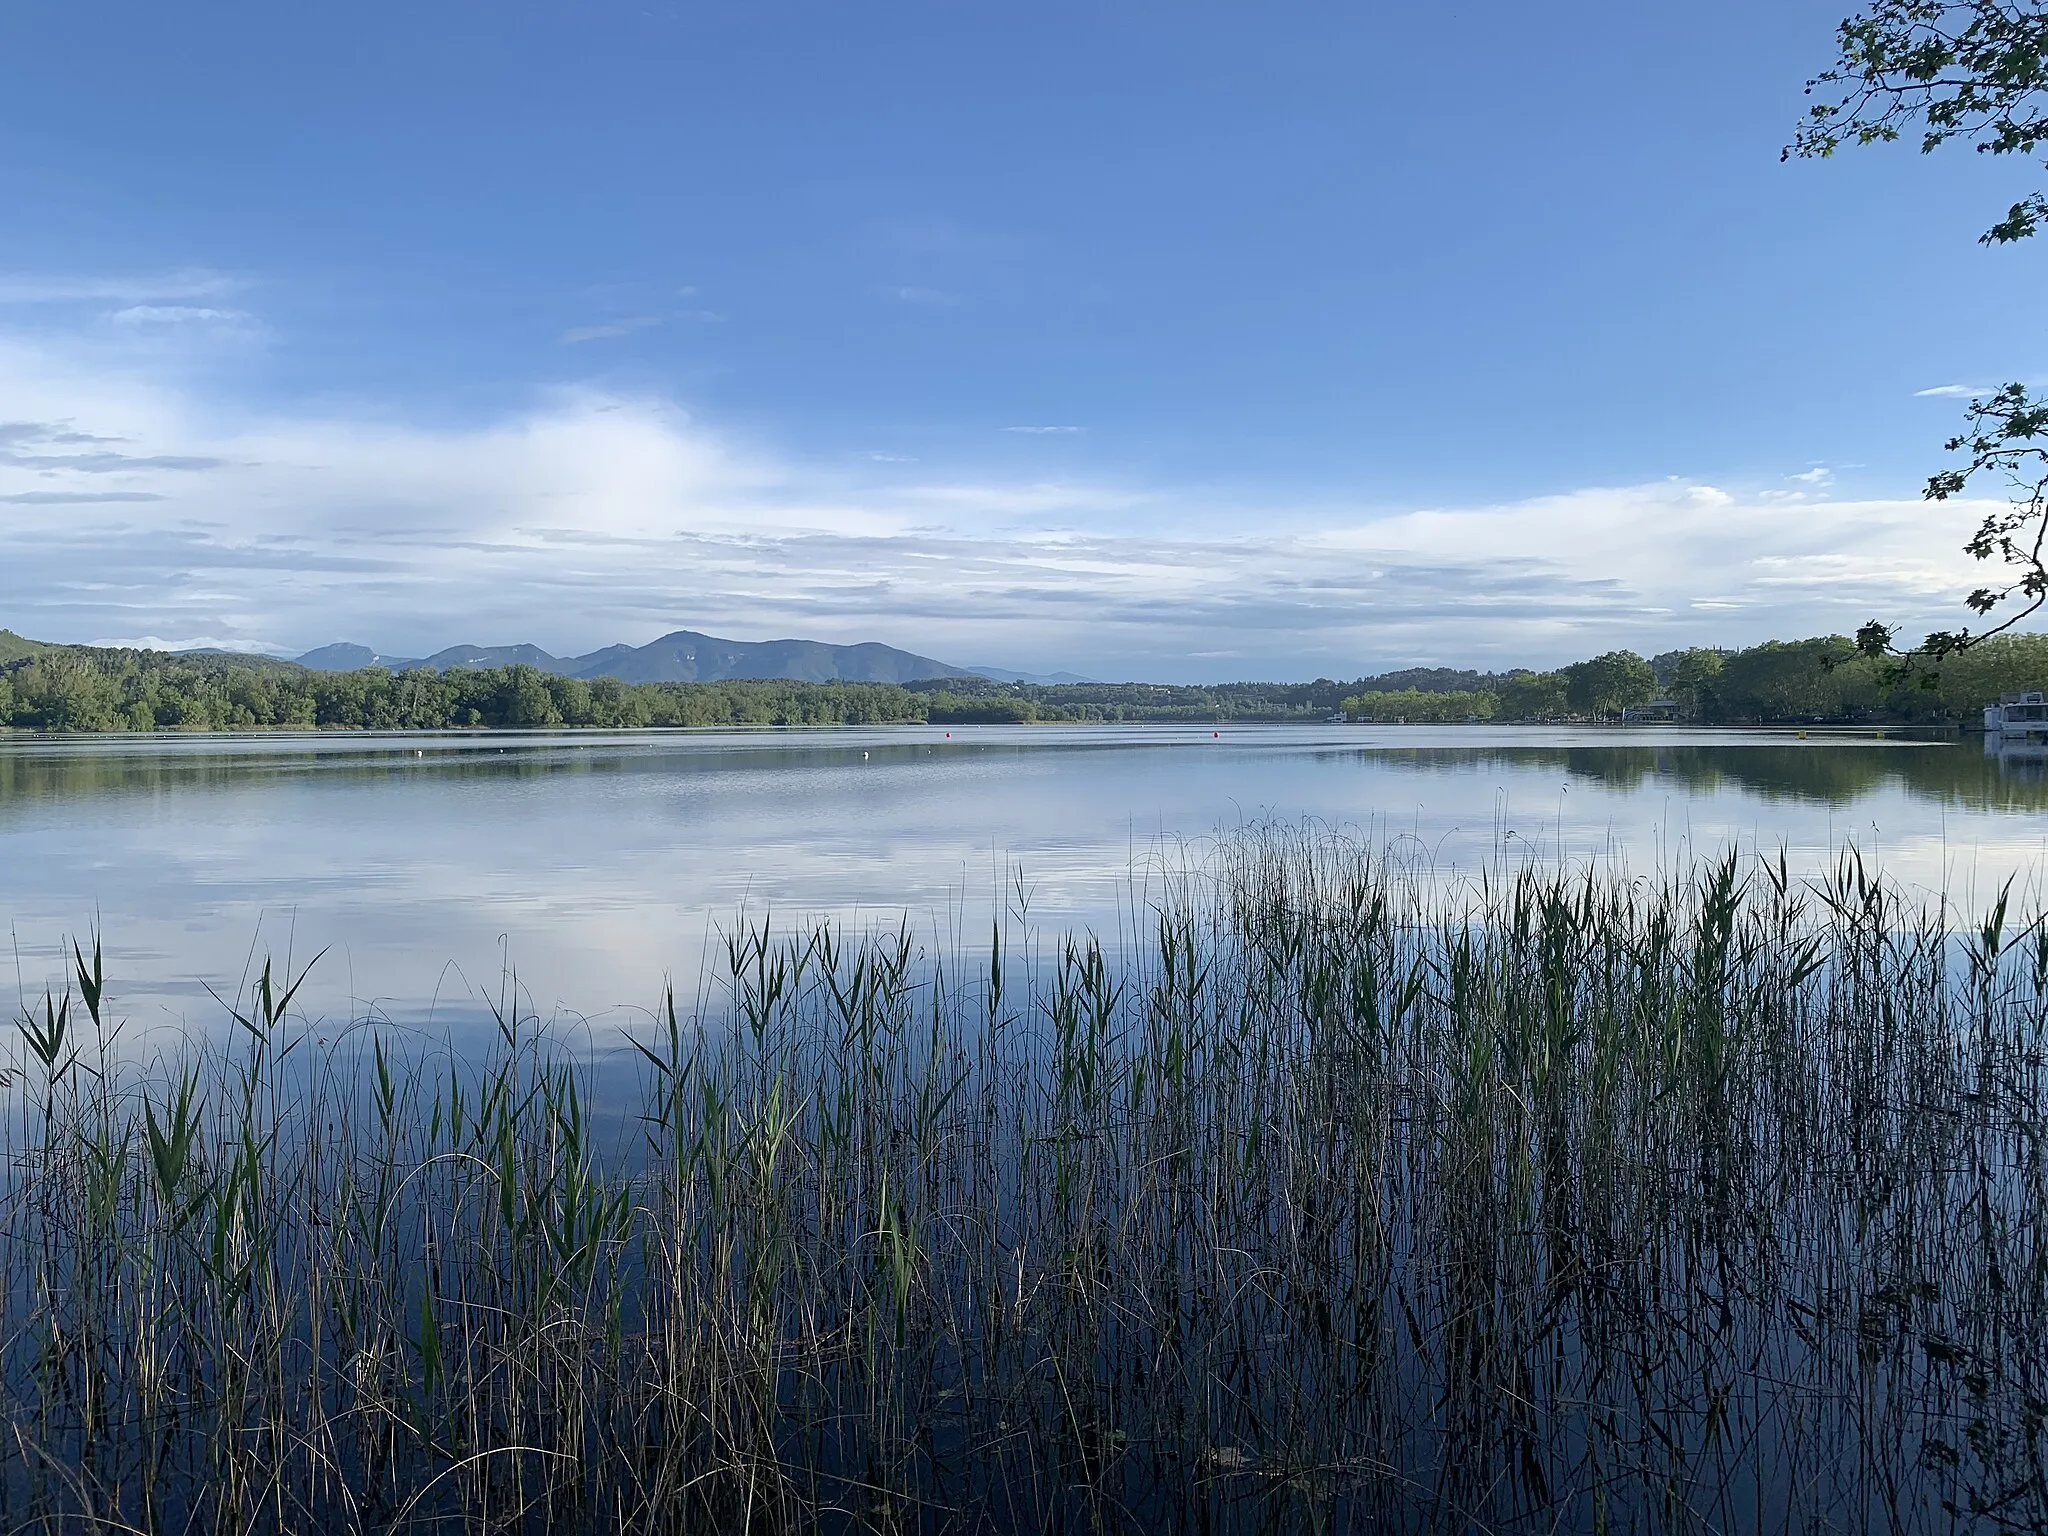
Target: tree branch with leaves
1974 71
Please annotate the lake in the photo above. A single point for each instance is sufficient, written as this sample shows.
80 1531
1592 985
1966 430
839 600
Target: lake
1325 1208
429 867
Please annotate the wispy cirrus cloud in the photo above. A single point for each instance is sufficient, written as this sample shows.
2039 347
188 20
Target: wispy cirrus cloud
109 463
1955 392
40 438
45 432
605 331
1047 431
118 288
76 498
174 314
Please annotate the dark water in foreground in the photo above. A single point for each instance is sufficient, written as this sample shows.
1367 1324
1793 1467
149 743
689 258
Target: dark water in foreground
594 865
1581 1202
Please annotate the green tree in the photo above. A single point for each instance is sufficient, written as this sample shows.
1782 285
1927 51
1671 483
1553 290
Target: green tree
1610 683
1693 680
1533 696
1974 70
950 709
1415 705
613 707
2010 663
1821 678
525 699
572 699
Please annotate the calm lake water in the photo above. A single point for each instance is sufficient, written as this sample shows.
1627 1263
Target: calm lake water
595 865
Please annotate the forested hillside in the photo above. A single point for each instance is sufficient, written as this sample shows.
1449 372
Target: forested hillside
1818 680
80 688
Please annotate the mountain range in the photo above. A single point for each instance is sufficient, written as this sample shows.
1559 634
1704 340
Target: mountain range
686 656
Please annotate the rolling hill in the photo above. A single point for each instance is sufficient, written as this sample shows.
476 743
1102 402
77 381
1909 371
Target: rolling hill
683 656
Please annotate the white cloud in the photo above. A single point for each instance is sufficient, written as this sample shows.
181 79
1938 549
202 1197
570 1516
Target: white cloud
1818 476
189 643
51 288
1955 392
610 328
1043 431
76 498
594 517
172 314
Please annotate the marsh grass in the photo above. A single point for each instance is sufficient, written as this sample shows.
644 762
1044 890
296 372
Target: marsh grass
1344 1201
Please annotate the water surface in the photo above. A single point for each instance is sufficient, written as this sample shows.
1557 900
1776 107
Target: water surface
427 866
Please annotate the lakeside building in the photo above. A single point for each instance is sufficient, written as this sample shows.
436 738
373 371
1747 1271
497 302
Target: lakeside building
1656 712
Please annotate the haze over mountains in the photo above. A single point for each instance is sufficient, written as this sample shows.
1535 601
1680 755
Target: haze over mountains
685 656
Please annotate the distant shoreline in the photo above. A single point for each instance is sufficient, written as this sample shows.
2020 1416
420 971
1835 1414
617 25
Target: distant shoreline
1917 734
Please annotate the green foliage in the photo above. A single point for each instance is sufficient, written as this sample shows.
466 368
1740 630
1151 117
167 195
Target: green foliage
1974 70
1800 679
1412 704
949 709
1157 702
1692 679
80 689
1820 679
13 647
1970 679
1609 683
77 688
1533 696
1333 1165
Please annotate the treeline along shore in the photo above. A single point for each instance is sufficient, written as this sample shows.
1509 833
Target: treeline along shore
92 689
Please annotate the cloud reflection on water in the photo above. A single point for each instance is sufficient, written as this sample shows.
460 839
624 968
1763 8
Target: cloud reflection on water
596 865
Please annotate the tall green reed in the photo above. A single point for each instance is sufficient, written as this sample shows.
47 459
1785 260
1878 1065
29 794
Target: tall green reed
1342 1200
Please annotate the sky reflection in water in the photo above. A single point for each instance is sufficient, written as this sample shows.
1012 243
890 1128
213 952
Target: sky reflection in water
595 865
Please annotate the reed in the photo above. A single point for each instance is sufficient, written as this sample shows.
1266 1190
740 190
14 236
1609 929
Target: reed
1343 1201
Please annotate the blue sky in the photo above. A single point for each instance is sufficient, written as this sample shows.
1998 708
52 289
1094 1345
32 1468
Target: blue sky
1181 341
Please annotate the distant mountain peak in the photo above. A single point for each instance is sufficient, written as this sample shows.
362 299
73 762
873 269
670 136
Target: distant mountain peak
1005 675
680 656
346 656
689 656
